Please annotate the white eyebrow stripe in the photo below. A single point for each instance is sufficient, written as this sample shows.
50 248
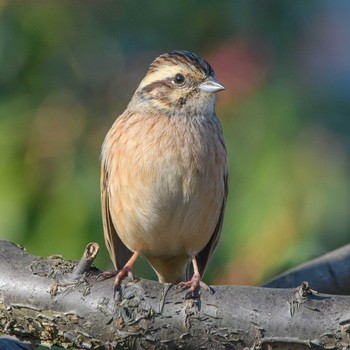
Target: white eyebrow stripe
160 74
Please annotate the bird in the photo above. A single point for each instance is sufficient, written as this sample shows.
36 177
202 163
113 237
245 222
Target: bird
164 173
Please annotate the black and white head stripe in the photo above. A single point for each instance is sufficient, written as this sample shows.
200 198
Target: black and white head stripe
187 58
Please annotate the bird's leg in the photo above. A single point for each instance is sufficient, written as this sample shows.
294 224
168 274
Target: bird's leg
196 281
126 270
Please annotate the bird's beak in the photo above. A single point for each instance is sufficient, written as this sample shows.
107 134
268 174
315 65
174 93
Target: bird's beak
211 85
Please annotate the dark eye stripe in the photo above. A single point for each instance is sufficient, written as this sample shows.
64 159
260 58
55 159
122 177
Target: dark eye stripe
158 84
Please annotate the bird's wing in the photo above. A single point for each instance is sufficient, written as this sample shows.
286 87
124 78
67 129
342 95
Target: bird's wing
118 252
204 256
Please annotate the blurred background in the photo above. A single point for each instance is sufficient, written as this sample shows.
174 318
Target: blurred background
68 68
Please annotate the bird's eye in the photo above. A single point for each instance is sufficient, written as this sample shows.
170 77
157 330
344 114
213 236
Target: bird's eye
179 78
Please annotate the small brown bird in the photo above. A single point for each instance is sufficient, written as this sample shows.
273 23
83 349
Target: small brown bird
164 173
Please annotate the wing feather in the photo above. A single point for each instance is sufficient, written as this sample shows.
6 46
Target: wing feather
204 256
118 252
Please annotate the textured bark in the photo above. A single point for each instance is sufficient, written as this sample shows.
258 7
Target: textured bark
52 301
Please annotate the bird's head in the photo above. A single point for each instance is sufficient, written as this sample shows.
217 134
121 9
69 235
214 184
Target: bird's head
179 82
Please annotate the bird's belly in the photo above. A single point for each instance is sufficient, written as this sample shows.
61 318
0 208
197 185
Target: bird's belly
168 214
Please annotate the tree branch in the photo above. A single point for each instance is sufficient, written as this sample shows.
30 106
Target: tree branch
41 303
329 273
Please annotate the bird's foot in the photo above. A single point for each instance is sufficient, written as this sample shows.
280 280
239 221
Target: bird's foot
119 275
106 275
124 272
194 286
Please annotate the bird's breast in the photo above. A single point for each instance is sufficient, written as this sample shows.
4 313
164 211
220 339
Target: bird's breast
166 182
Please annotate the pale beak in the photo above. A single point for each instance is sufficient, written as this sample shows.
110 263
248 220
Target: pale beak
211 85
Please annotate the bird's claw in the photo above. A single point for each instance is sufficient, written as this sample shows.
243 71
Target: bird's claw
194 285
106 275
126 271
119 275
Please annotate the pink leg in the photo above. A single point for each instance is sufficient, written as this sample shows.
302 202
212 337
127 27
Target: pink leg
126 270
196 281
122 273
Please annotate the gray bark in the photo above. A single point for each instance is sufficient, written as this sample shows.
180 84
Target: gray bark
53 301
